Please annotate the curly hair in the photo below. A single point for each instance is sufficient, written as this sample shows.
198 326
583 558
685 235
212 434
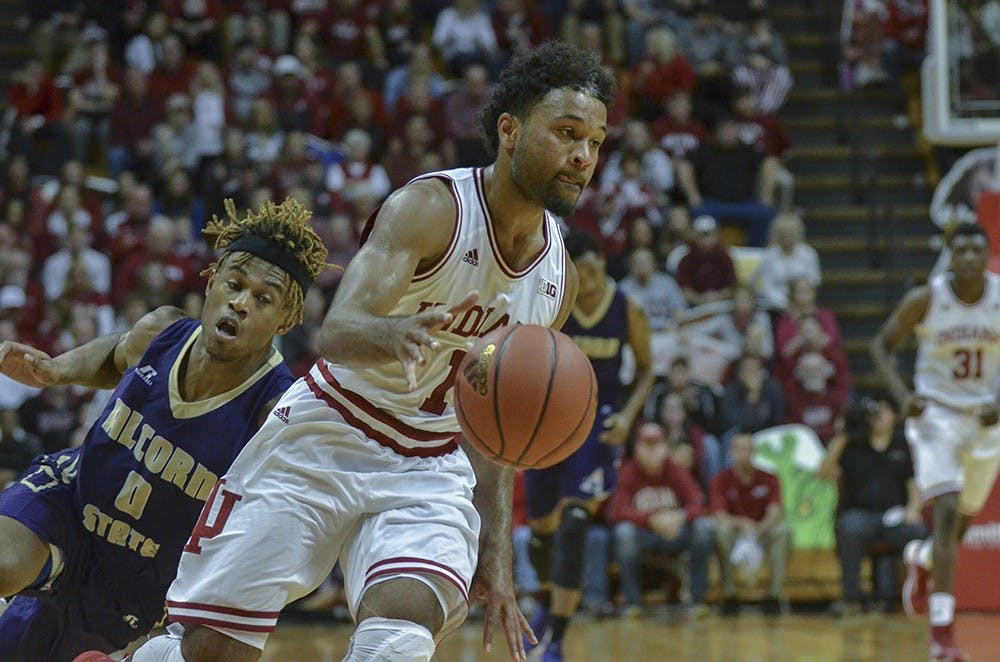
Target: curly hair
286 224
530 76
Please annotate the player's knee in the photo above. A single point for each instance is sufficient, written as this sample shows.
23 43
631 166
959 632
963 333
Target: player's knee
568 569
165 648
202 644
540 555
390 640
404 599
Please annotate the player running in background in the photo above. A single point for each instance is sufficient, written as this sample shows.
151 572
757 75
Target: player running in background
562 499
90 537
952 425
367 466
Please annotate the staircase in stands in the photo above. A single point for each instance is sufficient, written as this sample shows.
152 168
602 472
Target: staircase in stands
860 180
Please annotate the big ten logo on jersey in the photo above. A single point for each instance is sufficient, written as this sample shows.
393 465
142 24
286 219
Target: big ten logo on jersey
161 458
548 288
476 321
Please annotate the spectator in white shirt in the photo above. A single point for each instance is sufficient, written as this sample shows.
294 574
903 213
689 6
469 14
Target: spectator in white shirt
464 34
656 293
787 259
58 266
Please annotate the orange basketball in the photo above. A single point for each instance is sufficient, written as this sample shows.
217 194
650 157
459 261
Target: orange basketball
526 396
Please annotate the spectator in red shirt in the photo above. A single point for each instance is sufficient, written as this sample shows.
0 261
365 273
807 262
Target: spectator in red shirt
661 73
817 393
905 30
39 123
132 120
706 273
790 337
173 73
678 132
746 502
92 97
656 509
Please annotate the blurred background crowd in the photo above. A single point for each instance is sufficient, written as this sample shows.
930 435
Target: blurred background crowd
133 120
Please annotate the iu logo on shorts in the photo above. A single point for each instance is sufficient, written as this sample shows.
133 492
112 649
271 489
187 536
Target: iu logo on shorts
202 529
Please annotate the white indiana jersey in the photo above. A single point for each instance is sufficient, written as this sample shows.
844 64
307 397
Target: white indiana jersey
958 359
423 422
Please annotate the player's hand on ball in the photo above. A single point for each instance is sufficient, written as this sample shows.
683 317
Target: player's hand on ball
988 415
616 429
413 333
28 365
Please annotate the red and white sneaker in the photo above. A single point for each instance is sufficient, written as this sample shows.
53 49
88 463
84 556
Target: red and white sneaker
917 587
949 653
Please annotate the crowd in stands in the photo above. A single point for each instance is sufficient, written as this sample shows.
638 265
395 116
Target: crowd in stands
134 120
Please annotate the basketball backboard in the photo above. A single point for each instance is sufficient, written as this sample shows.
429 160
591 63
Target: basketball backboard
961 73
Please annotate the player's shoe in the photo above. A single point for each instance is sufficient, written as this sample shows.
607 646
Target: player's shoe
539 623
553 652
946 653
916 588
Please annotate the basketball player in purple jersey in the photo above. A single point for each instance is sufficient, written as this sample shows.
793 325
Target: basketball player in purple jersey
952 417
90 537
368 467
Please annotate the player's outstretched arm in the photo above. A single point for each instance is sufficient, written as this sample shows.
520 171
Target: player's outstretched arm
99 363
412 230
494 579
897 330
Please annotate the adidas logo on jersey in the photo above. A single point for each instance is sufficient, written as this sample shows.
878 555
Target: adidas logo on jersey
282 413
472 257
146 374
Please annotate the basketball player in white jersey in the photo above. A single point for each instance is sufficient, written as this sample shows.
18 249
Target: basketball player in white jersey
361 460
952 425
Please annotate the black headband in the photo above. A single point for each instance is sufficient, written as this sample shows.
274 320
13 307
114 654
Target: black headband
273 252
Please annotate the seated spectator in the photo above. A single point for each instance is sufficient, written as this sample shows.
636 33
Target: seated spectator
699 399
752 401
132 120
51 416
462 111
292 168
402 160
657 509
70 212
181 272
816 395
92 97
17 447
690 446
38 131
208 105
399 33
248 77
631 195
463 35
181 204
761 64
76 249
264 136
759 130
125 230
788 336
879 501
678 132
420 67
706 45
863 52
745 329
358 176
746 502
786 259
295 106
174 70
904 27
656 293
661 73
577 23
655 171
175 141
731 181
519 26
706 273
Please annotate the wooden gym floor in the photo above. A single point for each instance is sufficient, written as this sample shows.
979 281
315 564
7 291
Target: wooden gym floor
749 637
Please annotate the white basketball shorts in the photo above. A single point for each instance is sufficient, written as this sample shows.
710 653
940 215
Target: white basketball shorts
308 491
953 452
